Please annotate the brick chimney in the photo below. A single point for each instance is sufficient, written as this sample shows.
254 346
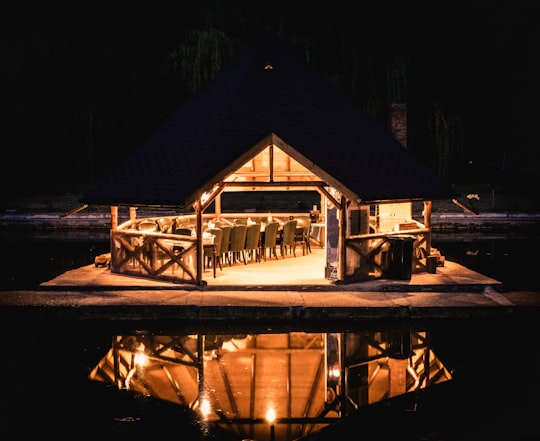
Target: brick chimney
398 115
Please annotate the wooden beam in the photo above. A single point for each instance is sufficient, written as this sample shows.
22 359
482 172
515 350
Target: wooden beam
274 184
200 249
271 151
465 206
218 189
331 198
75 210
114 217
342 249
427 224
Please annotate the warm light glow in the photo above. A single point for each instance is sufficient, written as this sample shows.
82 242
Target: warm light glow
334 372
140 359
271 415
236 358
205 196
205 407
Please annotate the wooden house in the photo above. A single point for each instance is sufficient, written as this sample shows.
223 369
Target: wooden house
270 122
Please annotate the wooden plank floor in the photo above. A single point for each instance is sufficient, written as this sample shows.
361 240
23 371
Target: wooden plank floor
282 273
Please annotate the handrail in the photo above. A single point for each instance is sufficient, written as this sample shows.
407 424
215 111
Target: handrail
132 223
412 232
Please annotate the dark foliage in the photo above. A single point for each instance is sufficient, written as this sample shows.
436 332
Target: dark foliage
87 82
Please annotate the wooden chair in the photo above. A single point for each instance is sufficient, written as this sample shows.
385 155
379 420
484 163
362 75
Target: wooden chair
148 225
253 236
303 231
211 259
181 222
165 224
225 244
269 241
287 242
237 244
184 231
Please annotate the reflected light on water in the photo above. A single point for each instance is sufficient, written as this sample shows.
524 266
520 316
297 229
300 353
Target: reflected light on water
206 408
298 382
140 358
271 415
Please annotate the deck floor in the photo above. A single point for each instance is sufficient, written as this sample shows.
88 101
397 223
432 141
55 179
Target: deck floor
282 273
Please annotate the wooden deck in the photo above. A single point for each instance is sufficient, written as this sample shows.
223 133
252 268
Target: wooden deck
267 292
287 273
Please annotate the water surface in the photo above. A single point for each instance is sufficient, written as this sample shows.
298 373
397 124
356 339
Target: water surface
491 388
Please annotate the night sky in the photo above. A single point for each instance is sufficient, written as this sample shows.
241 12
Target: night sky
85 82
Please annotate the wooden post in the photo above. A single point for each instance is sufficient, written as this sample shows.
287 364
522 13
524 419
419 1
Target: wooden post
398 376
217 205
132 213
114 218
342 250
200 248
427 224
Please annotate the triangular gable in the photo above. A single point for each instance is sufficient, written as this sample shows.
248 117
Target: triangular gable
273 163
271 166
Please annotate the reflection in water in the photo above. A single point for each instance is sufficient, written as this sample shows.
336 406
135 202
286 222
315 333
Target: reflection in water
278 385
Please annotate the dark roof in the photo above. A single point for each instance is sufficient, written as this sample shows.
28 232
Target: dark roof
246 103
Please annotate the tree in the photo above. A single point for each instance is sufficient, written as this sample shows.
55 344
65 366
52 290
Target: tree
201 56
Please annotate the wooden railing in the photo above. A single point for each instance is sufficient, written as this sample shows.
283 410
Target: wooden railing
368 255
154 255
165 256
173 257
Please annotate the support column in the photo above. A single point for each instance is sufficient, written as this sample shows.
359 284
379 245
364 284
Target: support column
132 213
114 218
398 376
342 249
427 224
217 205
200 249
